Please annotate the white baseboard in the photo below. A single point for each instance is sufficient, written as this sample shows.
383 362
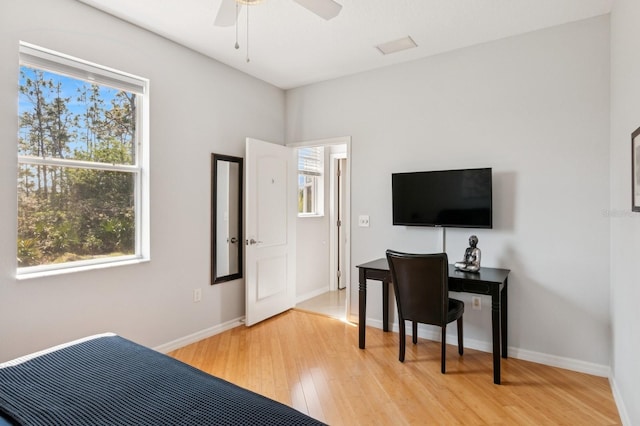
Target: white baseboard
561 362
513 352
202 334
617 397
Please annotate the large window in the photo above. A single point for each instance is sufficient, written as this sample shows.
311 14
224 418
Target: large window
81 163
310 181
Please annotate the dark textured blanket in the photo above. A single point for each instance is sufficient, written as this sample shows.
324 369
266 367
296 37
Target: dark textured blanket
113 381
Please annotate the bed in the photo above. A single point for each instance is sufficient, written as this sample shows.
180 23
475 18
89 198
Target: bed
109 380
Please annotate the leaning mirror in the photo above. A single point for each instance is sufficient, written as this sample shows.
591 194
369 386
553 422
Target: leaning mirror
226 218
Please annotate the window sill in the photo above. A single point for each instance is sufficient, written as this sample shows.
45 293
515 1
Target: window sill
80 268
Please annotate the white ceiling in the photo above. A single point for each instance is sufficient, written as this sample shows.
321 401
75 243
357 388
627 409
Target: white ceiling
290 46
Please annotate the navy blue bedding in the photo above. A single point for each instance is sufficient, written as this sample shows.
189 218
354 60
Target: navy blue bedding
113 381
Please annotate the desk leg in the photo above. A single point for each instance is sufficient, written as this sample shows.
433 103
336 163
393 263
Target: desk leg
362 308
495 331
385 305
503 315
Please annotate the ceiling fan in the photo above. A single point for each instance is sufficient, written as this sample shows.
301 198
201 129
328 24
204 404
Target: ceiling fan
227 13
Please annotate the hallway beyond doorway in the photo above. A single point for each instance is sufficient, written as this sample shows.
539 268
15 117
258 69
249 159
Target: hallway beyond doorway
331 304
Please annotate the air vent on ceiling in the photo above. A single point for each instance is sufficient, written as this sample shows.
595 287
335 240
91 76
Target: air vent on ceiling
396 45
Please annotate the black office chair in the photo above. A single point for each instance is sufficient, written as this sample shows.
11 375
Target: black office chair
420 282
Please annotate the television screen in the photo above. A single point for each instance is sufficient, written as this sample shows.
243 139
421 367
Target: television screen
450 198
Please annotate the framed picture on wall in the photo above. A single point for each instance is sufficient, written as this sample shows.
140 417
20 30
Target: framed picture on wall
635 170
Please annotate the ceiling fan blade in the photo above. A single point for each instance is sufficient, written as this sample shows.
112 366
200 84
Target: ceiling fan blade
326 9
226 13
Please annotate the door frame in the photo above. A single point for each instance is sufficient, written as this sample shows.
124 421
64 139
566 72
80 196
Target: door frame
334 201
340 140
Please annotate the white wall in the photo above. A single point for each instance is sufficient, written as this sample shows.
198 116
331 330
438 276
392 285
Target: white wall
198 106
536 109
312 256
625 225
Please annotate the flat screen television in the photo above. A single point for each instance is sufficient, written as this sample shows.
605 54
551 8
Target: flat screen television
448 198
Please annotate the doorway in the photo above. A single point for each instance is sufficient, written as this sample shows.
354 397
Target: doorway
323 241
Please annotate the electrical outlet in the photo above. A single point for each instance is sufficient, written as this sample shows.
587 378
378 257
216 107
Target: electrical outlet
197 295
476 303
363 221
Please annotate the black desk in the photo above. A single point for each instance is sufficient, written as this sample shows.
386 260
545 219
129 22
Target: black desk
488 281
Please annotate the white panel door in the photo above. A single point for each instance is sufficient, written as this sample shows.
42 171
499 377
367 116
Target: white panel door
270 224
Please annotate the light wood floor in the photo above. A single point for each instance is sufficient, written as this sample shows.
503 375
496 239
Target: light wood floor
313 364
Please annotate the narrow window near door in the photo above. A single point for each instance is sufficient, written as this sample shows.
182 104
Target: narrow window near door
311 181
82 164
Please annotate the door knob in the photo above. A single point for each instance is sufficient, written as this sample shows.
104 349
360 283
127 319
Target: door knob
233 240
252 242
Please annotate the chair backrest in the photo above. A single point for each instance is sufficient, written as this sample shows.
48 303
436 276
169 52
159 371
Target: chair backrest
420 283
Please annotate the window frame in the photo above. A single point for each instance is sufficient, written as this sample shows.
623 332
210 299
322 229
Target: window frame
318 175
40 58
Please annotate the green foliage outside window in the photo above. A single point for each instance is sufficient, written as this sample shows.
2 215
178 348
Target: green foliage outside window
72 210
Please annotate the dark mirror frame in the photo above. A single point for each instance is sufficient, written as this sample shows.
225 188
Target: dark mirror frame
215 279
635 170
